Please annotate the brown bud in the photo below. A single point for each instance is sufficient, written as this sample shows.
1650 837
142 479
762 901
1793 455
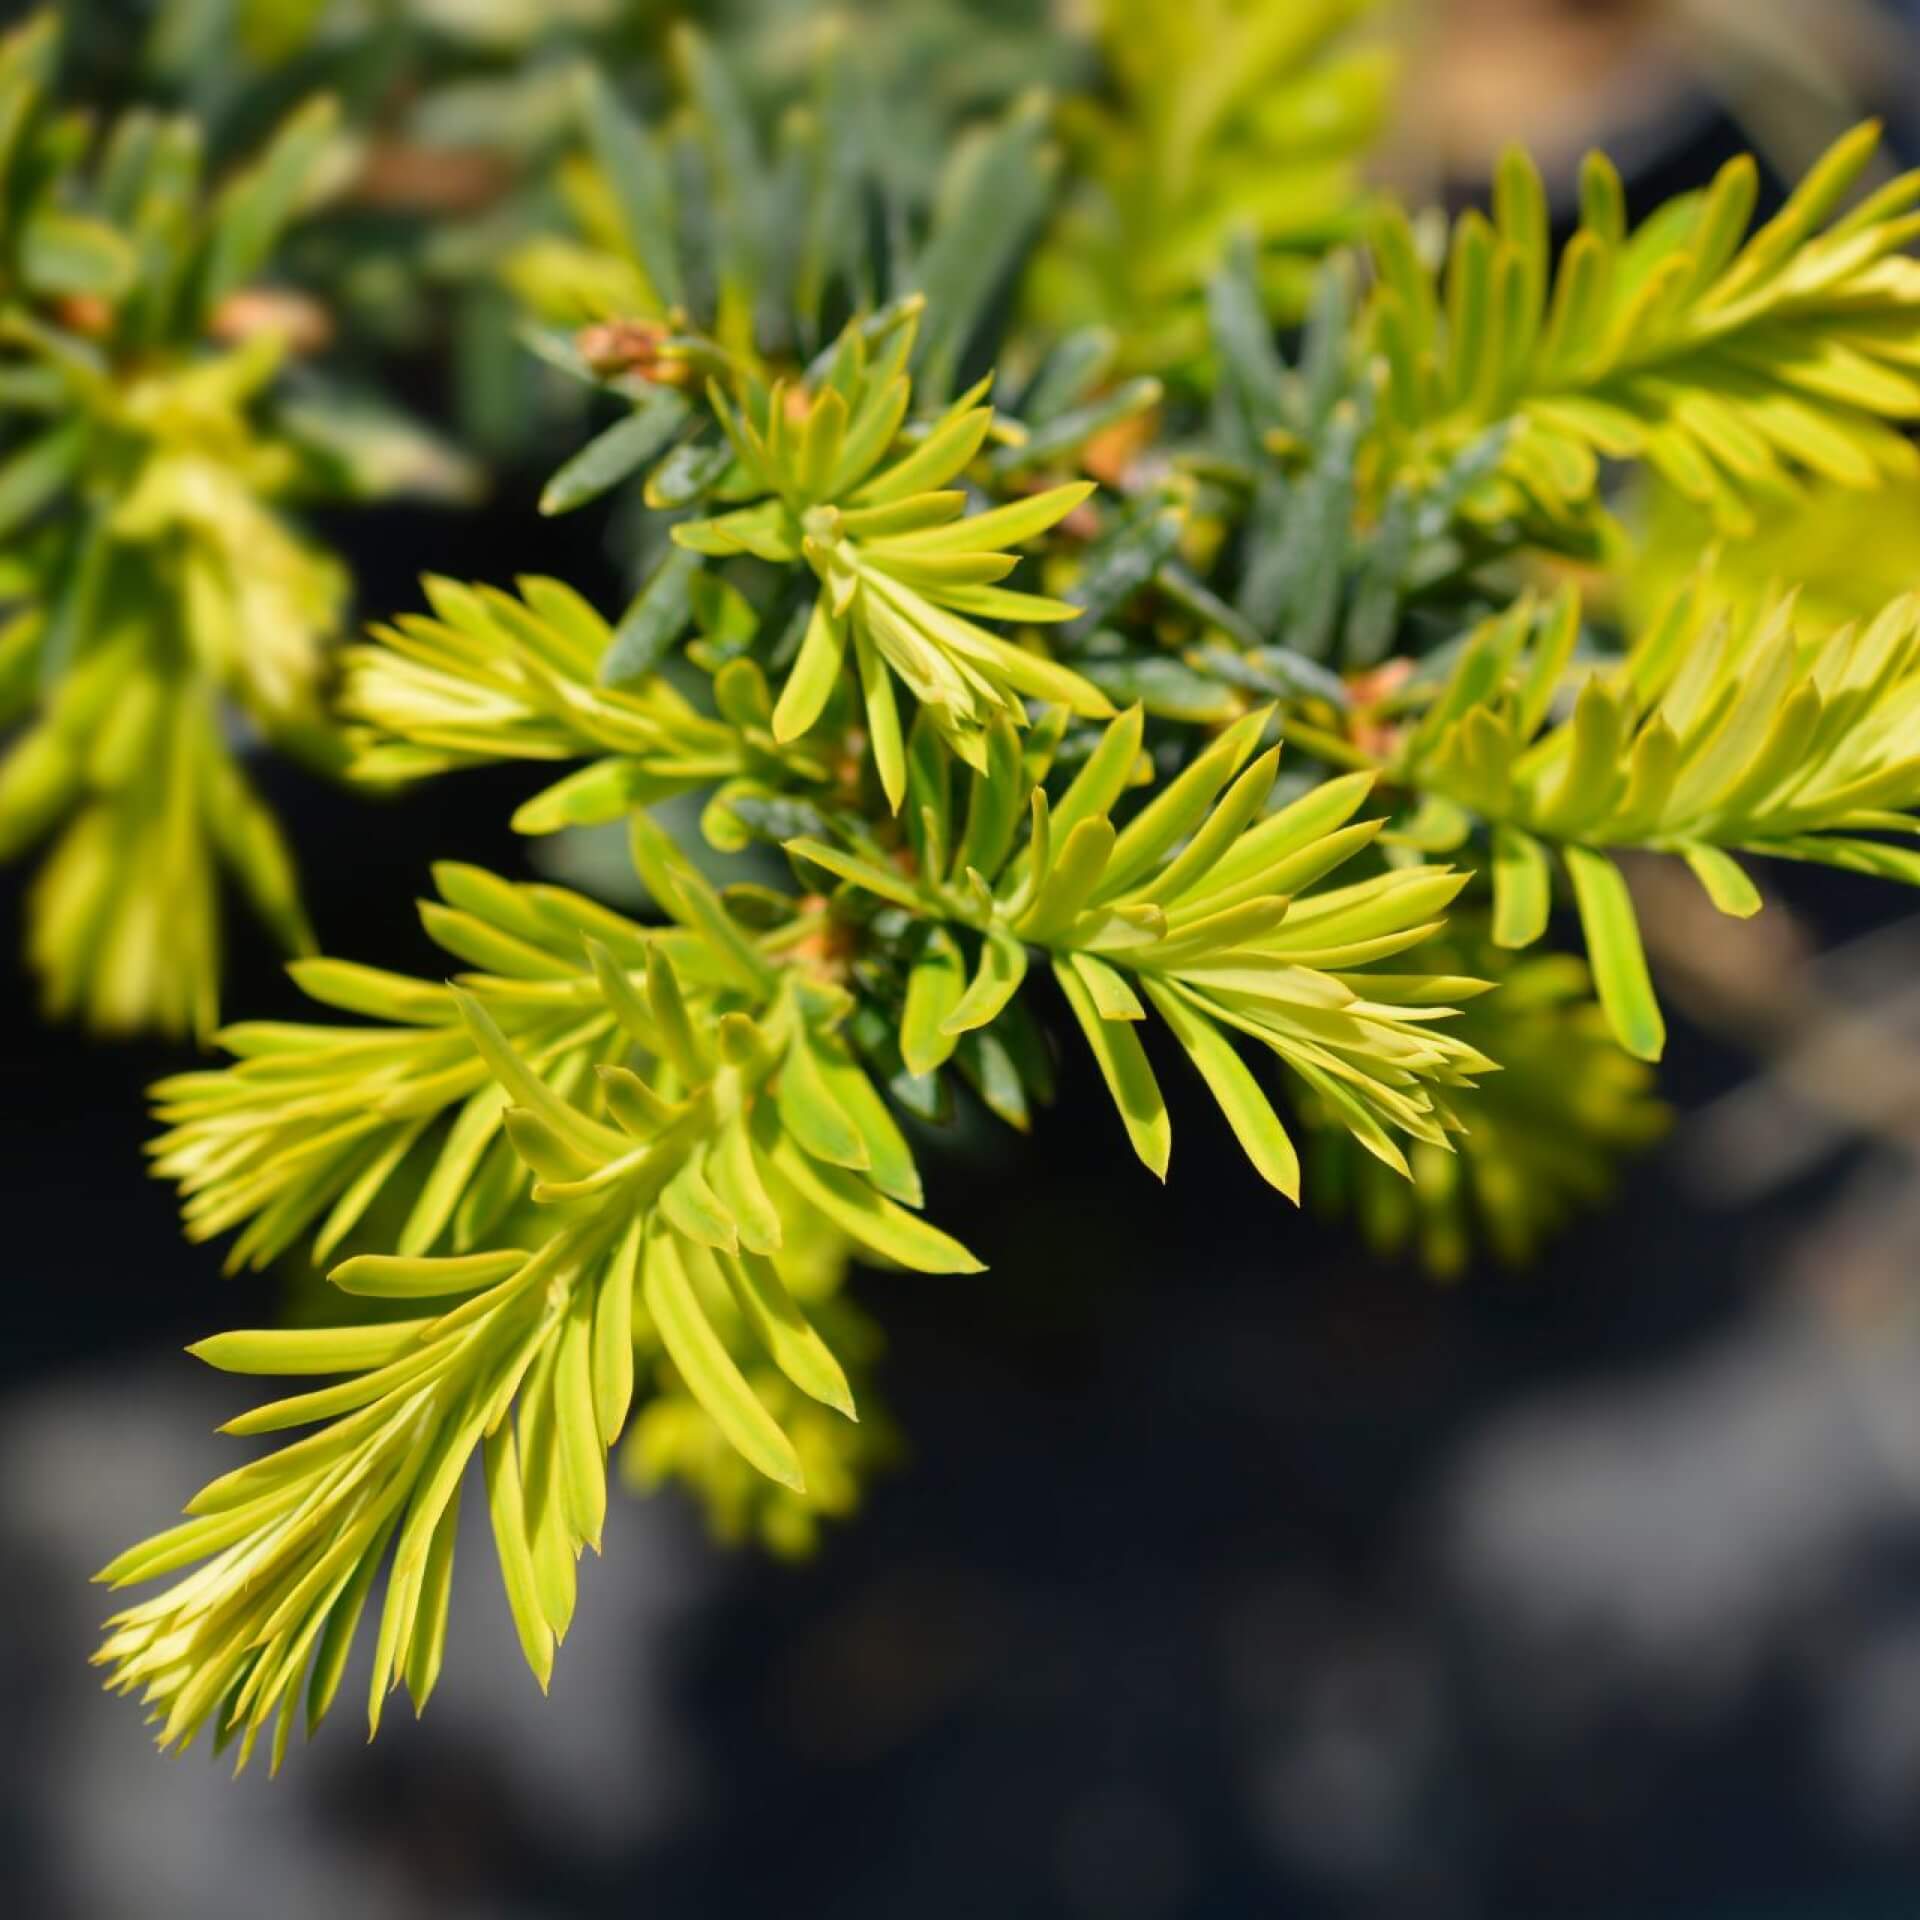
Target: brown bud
305 325
85 313
1379 737
1109 455
1379 683
850 763
613 347
827 951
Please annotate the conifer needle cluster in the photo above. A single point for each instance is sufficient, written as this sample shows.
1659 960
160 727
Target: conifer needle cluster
1108 596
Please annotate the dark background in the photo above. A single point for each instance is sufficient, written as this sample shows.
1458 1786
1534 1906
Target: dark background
1230 1571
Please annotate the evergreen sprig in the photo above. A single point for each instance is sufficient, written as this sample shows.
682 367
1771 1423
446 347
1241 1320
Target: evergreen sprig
1734 365
698 244
1718 732
1538 1142
154 598
905 573
648 1136
1189 910
1220 120
608 1178
494 676
151 580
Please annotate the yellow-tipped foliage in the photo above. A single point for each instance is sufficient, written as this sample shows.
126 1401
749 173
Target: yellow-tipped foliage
1722 730
1735 365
